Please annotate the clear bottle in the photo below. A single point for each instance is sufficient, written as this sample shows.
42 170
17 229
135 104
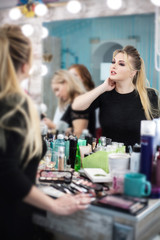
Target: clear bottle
135 159
59 142
61 158
103 141
94 144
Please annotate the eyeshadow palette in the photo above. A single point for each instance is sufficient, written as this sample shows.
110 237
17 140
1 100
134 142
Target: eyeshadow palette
122 203
55 176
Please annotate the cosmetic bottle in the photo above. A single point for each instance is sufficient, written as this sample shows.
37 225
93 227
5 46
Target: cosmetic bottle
77 165
87 136
103 141
157 134
72 150
148 128
59 142
158 169
135 159
67 143
61 158
94 144
85 133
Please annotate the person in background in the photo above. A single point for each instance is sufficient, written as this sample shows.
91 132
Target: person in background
53 124
124 98
81 71
66 87
21 146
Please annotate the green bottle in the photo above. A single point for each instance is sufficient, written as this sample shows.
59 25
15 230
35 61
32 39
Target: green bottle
77 165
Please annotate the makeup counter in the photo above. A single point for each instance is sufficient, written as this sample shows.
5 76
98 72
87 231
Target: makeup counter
99 222
102 223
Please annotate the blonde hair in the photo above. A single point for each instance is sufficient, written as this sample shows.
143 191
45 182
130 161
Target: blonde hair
74 86
139 80
15 49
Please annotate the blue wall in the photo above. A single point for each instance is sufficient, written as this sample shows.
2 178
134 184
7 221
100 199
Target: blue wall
78 35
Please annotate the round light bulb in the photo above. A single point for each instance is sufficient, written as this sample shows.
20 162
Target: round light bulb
44 70
74 6
15 14
44 32
41 9
27 30
156 2
114 4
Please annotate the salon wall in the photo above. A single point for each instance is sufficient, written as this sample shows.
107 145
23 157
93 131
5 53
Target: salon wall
80 37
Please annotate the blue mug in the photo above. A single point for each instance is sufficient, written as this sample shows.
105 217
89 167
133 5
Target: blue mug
136 185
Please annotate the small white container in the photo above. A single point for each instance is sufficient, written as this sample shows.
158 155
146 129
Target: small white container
118 161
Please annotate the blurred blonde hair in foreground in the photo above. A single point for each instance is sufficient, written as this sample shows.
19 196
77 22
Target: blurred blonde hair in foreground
16 51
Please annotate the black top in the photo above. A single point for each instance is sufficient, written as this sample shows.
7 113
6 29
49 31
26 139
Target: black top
120 115
71 115
15 181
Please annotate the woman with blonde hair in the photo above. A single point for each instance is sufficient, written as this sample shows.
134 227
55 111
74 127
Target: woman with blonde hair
21 146
71 87
66 88
124 98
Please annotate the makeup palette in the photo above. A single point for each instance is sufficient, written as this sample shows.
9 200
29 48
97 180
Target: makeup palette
55 176
122 203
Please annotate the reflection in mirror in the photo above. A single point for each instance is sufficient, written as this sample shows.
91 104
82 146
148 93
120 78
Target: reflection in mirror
92 41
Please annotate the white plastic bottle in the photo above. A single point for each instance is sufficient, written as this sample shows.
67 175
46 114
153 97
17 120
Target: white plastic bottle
135 159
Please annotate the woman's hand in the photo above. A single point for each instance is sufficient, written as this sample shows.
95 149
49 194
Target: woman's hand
69 204
49 123
109 84
83 101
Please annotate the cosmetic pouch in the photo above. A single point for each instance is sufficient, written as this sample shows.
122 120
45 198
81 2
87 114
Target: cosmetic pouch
57 176
123 203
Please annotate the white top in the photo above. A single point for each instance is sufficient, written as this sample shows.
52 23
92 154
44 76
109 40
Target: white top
58 114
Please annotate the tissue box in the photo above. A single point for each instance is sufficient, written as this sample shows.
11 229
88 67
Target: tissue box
97 160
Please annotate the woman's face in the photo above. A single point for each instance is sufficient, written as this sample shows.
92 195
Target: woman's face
60 90
120 70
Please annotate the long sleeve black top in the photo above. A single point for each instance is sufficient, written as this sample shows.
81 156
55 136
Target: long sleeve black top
120 114
15 181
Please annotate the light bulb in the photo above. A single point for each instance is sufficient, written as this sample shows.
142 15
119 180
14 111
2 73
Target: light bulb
44 70
44 32
27 30
15 14
41 9
74 6
114 4
156 2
